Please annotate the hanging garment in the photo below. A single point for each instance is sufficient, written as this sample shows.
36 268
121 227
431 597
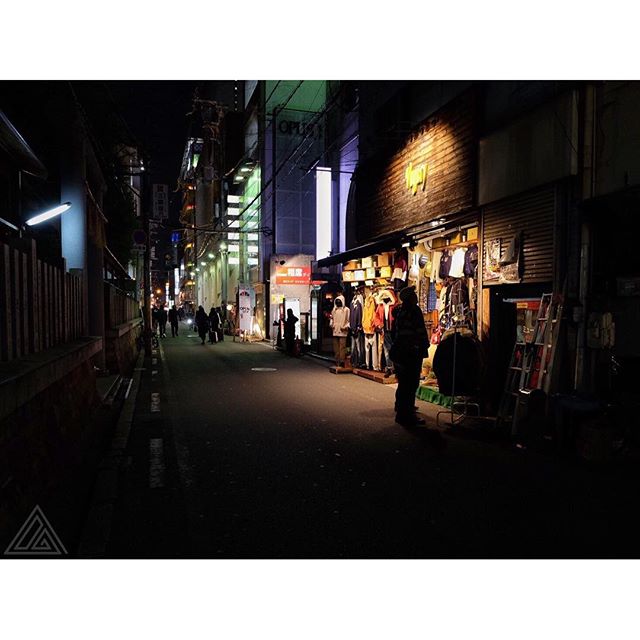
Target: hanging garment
357 349
371 358
355 313
369 314
456 269
471 261
432 297
424 293
436 257
445 265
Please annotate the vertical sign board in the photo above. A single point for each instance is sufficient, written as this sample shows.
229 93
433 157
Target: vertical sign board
244 308
160 201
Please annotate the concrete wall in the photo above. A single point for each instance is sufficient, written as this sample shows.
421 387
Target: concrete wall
45 404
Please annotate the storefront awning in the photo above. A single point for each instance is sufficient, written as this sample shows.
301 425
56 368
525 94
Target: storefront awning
371 248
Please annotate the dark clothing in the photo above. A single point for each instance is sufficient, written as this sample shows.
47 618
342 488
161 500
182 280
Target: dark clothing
173 320
290 332
445 265
410 346
202 322
408 374
214 325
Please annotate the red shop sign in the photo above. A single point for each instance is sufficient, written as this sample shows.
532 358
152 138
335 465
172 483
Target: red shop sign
293 275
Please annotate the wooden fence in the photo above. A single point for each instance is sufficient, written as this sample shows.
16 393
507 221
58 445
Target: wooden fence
119 306
41 305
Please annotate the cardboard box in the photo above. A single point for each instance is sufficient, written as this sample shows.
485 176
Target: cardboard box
383 260
352 265
367 262
472 233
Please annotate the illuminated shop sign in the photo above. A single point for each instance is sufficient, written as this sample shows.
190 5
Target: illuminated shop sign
293 275
416 177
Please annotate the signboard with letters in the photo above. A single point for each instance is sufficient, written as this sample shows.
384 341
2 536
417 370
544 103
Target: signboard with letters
293 275
244 308
160 201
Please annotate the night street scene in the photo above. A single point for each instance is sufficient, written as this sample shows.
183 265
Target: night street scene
319 319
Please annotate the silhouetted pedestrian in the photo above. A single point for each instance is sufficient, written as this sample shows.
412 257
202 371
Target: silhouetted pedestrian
214 325
409 347
202 322
173 321
290 331
162 321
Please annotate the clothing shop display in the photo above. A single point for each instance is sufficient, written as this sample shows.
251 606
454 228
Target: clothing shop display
357 335
471 261
445 265
456 269
371 359
340 328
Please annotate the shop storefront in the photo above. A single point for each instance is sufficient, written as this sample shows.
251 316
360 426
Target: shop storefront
417 226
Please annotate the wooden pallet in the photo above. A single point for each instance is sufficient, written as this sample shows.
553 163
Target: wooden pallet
336 369
376 376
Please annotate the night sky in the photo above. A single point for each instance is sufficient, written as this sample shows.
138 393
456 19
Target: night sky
156 112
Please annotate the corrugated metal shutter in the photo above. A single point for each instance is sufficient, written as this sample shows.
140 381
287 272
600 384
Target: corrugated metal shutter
533 214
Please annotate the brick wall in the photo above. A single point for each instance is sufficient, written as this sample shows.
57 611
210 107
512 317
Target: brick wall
446 143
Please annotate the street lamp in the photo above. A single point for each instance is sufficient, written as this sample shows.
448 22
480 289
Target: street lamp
38 218
50 213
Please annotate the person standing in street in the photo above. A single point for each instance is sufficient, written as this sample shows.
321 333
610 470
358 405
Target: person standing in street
173 321
409 348
340 326
154 318
202 322
162 321
214 324
290 331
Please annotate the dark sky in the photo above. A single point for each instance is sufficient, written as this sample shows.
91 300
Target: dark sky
156 112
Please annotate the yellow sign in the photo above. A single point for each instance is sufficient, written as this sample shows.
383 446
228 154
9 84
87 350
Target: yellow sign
416 176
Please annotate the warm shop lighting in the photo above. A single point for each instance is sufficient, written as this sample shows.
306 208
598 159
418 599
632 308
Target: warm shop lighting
158 291
47 215
229 307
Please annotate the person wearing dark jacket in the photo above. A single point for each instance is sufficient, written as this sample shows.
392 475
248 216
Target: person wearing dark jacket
162 321
410 346
173 321
202 322
214 325
290 331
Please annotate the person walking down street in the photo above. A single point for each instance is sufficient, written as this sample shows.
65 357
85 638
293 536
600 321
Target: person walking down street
409 347
220 325
162 321
173 321
214 325
155 315
340 326
290 331
202 322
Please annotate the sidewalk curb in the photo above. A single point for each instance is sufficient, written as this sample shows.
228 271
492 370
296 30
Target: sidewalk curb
97 527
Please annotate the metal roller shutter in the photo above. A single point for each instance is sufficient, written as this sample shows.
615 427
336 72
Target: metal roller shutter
533 214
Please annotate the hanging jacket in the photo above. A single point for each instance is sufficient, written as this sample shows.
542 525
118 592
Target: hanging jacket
355 313
471 261
445 265
369 314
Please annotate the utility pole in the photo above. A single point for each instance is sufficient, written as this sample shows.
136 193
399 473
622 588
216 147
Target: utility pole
146 276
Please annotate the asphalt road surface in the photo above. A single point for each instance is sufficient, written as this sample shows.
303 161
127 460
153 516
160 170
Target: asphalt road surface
238 451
